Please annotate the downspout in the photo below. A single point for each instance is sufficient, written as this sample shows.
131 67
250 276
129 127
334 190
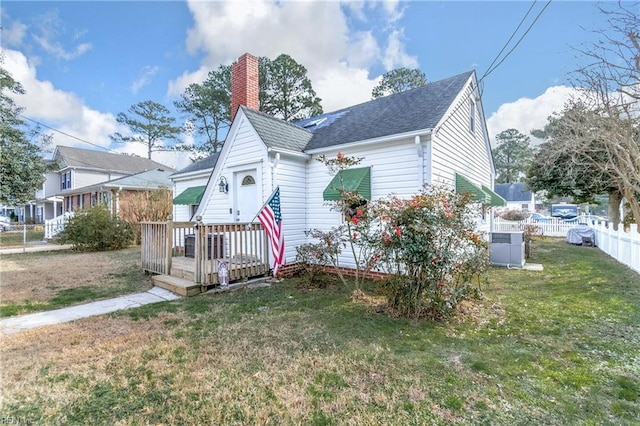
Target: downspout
273 165
418 144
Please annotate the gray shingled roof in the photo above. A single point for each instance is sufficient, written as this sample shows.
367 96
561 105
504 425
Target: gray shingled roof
149 179
276 133
203 164
68 156
416 109
513 191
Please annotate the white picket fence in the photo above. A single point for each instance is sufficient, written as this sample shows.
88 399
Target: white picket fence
624 246
553 228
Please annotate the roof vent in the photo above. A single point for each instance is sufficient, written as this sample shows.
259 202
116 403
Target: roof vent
315 122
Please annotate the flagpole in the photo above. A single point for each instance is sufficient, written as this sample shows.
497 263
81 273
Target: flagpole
265 203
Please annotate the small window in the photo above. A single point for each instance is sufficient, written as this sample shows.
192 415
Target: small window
248 180
357 210
193 208
472 113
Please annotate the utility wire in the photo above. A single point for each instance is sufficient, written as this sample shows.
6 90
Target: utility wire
68 135
490 70
493 67
512 35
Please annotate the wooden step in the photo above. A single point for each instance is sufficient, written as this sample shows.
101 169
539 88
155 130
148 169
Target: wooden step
183 273
177 285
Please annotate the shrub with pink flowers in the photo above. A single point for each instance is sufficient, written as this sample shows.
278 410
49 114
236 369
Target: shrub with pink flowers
427 244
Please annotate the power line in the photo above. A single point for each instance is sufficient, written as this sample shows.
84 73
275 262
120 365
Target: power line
490 70
493 67
68 135
512 35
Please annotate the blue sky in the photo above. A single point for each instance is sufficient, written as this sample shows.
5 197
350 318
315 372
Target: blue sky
82 62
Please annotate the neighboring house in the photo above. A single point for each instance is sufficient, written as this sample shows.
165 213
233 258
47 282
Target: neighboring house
118 194
518 197
80 170
189 185
45 205
435 134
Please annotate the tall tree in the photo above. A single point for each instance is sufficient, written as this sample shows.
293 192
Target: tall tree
22 168
150 124
286 91
207 107
561 171
398 80
599 133
512 156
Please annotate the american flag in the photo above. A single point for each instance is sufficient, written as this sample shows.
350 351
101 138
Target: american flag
271 219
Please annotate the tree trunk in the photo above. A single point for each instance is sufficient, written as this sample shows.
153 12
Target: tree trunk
614 208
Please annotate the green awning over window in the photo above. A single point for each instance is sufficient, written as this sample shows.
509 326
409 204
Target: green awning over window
190 196
354 180
496 200
465 185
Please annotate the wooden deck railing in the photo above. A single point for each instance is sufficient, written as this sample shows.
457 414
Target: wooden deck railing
243 245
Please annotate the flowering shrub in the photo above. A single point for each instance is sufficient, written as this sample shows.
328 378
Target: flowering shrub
355 233
429 245
314 256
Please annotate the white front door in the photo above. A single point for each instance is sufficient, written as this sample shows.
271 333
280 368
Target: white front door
246 190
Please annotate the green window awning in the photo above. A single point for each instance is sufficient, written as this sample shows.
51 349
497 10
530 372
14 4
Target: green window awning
352 180
496 200
465 185
190 196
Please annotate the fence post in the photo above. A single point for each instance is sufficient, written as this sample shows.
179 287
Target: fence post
169 246
198 250
24 237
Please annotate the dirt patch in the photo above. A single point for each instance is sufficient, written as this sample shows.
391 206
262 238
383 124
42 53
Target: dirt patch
38 277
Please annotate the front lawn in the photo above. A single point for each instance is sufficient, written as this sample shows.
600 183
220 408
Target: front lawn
41 281
555 347
16 238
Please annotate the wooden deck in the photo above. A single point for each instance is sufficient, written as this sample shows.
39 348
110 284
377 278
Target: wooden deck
242 245
181 280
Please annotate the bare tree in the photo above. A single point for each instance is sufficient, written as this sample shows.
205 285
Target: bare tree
599 131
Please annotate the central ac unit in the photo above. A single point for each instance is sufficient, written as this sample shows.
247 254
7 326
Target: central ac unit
507 249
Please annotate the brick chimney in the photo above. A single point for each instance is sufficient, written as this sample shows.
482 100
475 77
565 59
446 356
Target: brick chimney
244 84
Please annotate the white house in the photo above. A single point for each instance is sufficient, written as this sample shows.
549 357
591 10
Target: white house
435 134
518 197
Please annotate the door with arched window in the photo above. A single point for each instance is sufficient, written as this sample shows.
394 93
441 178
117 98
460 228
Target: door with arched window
247 202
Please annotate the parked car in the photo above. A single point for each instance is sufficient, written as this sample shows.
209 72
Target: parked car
5 224
587 219
539 217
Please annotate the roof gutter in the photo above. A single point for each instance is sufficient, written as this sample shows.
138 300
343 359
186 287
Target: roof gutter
289 153
374 141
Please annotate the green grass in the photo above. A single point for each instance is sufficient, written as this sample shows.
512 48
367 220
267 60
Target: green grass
16 238
123 278
555 347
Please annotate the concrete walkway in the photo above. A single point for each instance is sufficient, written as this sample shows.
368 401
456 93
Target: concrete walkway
72 313
36 247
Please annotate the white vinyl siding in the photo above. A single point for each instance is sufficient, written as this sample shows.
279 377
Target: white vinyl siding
244 152
394 170
456 150
181 213
290 176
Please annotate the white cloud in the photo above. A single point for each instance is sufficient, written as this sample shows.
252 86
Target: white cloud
176 86
50 26
146 75
62 110
13 35
395 55
527 114
343 86
316 34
